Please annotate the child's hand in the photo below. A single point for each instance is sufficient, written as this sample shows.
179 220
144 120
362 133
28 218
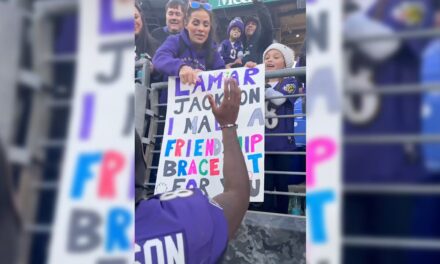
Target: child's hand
250 64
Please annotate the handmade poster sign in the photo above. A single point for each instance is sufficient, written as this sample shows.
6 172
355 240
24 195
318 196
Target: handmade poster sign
94 215
324 125
192 149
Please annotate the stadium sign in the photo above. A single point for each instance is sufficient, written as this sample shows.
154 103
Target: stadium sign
219 4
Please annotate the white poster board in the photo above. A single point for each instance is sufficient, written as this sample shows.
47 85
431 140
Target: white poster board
94 216
192 149
324 123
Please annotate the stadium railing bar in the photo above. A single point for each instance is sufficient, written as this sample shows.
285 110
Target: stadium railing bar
394 89
410 34
391 242
393 189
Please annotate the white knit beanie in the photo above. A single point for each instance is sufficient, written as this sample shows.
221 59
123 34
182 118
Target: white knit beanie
288 54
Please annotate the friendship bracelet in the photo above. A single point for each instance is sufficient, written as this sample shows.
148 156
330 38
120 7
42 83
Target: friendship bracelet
228 126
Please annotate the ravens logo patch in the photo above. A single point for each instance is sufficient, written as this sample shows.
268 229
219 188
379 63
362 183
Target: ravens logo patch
289 88
409 13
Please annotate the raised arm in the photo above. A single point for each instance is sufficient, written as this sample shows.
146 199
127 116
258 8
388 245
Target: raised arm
235 198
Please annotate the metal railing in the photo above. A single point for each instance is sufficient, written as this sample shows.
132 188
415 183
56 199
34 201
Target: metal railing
35 164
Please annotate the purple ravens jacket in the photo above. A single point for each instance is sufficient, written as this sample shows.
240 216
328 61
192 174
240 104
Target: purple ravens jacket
180 227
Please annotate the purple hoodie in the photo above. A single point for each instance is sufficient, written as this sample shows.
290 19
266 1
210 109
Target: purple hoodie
183 226
168 62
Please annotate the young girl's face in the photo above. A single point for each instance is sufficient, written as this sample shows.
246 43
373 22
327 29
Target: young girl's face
198 26
274 60
234 33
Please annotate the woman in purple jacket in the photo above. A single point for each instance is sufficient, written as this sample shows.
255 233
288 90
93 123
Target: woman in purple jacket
191 51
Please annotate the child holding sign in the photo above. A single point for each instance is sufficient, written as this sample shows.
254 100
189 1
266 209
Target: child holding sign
168 225
278 56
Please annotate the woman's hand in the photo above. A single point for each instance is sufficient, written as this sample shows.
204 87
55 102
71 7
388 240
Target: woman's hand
188 75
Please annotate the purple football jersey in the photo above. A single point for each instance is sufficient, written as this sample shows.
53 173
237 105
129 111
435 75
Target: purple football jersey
230 52
288 86
404 15
180 227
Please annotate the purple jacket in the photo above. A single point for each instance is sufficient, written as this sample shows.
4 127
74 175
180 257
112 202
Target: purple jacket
183 226
419 16
168 61
288 86
231 52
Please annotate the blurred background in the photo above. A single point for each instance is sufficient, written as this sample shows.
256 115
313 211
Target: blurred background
391 205
37 73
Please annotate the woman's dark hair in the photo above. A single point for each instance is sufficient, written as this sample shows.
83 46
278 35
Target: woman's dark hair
144 42
210 42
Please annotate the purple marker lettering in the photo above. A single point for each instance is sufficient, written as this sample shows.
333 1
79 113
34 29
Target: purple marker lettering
87 116
170 126
107 23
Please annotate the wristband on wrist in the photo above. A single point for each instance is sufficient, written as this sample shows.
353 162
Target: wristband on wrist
228 126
